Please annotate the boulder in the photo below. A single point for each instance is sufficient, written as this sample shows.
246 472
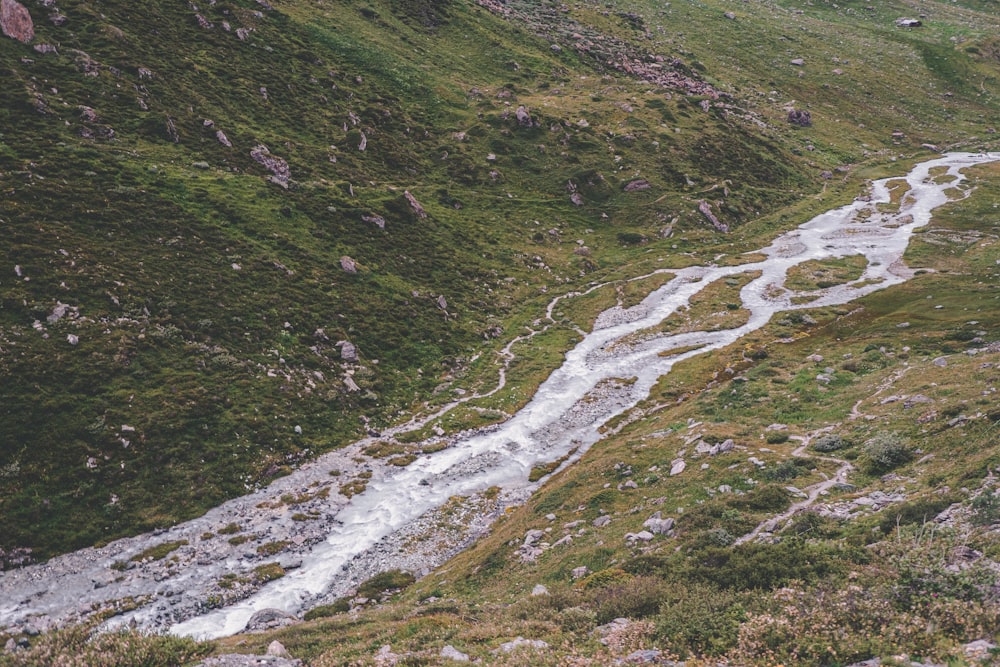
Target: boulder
658 525
415 205
677 467
268 619
580 572
538 590
348 351
637 185
519 643
706 210
280 174
278 649
449 652
601 521
908 23
800 117
348 264
523 117
15 21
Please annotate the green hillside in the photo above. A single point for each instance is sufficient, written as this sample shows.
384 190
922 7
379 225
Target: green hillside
238 235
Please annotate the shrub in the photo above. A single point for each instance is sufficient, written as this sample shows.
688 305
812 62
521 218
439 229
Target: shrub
385 581
339 607
829 443
776 437
766 498
785 471
699 619
637 598
986 509
883 452
917 511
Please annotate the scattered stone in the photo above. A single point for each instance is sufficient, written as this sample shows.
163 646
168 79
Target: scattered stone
268 619
72 339
580 572
604 632
348 264
243 660
348 351
800 117
538 590
576 198
637 185
15 21
601 521
449 652
278 649
706 210
10 646
442 302
730 15
643 656
979 650
223 139
45 48
658 525
908 23
280 173
377 220
532 536
415 205
641 536
523 117
677 467
798 62
520 643
940 362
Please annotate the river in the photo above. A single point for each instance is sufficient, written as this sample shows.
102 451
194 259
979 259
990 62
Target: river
564 415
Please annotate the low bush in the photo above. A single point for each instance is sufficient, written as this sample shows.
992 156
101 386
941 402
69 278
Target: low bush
883 452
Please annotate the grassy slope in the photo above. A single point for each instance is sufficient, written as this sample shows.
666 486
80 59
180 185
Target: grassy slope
197 356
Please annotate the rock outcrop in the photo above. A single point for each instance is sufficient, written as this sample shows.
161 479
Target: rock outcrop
280 173
15 21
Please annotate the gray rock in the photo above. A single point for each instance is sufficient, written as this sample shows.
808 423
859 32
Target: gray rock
15 21
72 339
449 652
10 646
539 589
642 656
658 525
637 185
798 62
348 264
604 631
523 117
677 467
532 536
241 660
280 173
800 117
268 619
601 521
348 351
580 572
278 649
941 362
908 23
521 643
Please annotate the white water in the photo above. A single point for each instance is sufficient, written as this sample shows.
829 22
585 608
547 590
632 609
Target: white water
555 420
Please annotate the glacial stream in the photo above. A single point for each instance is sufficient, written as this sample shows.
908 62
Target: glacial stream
566 413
